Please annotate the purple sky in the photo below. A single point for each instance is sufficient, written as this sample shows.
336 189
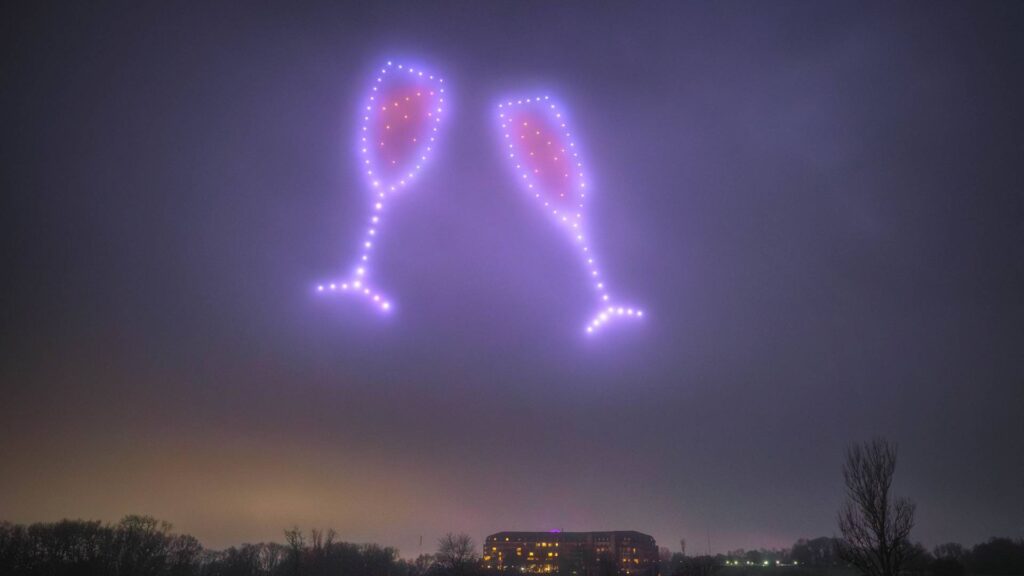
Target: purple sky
819 205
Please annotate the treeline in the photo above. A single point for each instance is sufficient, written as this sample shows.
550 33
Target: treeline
996 557
137 545
144 546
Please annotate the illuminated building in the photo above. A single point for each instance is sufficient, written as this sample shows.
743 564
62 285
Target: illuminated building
624 552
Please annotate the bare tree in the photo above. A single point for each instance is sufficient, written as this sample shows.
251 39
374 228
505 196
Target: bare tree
296 545
457 553
875 526
950 550
422 565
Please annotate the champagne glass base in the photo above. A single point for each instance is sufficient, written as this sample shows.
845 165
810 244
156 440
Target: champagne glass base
605 315
360 289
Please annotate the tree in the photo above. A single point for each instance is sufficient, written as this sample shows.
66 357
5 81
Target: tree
422 565
818 552
951 550
142 544
377 560
674 565
919 560
457 554
183 553
998 556
701 566
949 559
296 544
875 525
754 557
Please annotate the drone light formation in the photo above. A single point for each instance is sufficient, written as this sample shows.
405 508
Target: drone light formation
547 163
400 120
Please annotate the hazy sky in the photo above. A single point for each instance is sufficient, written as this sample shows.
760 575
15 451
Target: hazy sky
820 205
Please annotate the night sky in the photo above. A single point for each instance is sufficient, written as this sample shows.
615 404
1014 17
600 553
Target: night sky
819 204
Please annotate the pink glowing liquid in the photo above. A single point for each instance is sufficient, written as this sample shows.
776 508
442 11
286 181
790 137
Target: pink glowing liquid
404 112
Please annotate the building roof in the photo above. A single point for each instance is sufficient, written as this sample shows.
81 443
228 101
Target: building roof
567 535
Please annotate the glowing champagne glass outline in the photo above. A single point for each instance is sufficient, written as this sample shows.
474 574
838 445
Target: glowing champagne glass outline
358 283
516 114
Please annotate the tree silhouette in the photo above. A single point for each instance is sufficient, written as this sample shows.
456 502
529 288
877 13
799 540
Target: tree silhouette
875 526
456 553
296 545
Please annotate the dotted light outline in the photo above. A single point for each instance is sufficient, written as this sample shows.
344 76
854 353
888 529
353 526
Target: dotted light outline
357 283
571 221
